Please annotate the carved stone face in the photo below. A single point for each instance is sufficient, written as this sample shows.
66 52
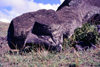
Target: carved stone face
48 26
34 27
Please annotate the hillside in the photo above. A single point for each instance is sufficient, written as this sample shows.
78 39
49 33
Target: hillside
3 29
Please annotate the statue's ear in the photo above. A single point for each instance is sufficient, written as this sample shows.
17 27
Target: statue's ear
65 3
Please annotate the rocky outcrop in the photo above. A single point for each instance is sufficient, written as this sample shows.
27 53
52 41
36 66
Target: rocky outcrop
48 26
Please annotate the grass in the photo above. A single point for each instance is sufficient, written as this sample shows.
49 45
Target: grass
88 58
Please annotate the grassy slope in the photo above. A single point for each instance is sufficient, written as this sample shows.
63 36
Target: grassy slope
89 58
3 28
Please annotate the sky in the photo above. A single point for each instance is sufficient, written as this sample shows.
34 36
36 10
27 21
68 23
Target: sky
10 9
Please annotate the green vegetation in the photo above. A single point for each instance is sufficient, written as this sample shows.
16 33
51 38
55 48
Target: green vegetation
87 34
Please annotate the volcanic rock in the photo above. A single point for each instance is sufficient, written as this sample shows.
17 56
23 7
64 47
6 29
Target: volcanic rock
49 26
